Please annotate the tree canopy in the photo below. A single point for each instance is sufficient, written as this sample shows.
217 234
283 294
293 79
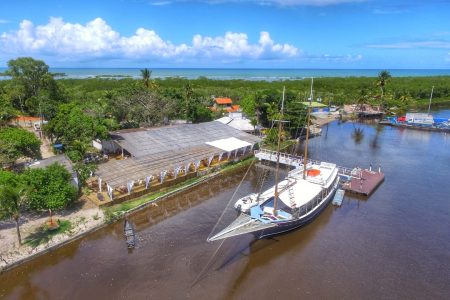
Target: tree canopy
32 88
75 127
30 73
7 112
12 202
50 188
17 142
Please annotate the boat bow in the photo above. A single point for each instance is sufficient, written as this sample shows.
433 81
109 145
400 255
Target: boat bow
242 225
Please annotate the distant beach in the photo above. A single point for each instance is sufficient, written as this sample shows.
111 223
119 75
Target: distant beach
229 74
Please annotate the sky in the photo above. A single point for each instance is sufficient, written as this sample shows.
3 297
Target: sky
326 34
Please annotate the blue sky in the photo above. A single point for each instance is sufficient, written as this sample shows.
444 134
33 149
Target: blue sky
228 33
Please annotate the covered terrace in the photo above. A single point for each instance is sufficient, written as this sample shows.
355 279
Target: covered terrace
166 153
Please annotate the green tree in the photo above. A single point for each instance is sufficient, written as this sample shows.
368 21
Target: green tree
50 188
296 116
383 78
200 113
13 198
31 73
188 94
142 107
146 74
75 128
16 94
7 112
32 88
8 178
12 202
248 105
16 143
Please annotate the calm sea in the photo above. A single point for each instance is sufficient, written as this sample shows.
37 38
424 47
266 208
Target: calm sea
247 74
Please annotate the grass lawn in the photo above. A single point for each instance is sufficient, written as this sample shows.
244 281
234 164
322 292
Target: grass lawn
43 234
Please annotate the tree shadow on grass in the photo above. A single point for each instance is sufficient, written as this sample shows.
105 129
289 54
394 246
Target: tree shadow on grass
43 234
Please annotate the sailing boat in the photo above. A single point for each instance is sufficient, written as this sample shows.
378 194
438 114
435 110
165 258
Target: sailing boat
289 204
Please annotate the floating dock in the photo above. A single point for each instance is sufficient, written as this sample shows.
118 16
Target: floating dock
364 184
338 197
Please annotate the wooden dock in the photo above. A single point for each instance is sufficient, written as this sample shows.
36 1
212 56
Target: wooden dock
365 184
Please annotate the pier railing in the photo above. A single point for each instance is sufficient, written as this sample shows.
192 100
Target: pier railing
297 162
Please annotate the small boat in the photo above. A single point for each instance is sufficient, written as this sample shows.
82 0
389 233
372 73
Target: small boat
130 236
338 197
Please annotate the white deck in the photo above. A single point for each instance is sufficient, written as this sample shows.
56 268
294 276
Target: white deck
303 190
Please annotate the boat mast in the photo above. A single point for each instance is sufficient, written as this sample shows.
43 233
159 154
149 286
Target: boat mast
431 97
280 127
305 162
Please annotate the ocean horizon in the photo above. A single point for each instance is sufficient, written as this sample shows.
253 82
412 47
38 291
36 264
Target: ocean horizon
236 73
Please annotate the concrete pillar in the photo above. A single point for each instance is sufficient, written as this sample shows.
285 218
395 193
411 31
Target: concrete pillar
147 181
162 175
210 159
110 191
176 171
197 165
99 184
130 185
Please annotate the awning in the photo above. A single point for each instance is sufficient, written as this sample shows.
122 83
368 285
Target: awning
229 144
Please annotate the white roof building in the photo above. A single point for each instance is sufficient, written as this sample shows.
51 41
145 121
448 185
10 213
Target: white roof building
237 121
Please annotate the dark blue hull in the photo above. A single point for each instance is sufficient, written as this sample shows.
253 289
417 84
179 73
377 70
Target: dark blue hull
299 222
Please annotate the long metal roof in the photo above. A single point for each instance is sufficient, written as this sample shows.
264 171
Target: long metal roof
160 149
146 141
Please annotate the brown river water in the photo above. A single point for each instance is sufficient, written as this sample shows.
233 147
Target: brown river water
393 245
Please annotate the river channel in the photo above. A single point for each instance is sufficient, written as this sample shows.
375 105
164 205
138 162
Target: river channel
395 244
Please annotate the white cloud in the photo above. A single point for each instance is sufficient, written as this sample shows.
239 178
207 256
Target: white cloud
413 45
3 21
96 39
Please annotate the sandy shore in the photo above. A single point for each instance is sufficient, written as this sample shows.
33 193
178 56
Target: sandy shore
82 219
320 121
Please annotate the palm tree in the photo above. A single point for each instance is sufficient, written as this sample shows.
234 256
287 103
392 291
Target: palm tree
146 74
383 78
12 201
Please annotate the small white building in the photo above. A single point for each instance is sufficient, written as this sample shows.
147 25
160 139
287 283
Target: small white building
238 121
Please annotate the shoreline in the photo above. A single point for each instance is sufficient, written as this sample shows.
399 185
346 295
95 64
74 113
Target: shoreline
19 256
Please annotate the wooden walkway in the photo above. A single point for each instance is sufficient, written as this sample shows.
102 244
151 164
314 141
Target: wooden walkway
366 184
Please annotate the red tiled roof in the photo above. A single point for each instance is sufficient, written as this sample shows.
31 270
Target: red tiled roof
27 119
224 101
233 108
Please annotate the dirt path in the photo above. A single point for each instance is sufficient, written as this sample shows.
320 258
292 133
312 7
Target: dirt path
325 120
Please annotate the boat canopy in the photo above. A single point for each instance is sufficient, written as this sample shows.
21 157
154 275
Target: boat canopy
304 191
